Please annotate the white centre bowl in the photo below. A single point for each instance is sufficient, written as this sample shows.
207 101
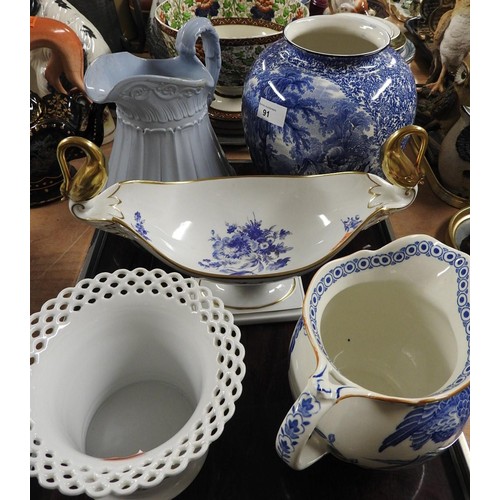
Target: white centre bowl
133 376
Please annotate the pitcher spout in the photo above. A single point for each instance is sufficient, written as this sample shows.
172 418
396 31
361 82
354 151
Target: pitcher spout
106 75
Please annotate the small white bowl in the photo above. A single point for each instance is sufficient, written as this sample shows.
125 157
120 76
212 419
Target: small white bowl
133 376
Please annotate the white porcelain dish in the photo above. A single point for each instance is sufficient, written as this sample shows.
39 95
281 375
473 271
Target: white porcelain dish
133 375
245 229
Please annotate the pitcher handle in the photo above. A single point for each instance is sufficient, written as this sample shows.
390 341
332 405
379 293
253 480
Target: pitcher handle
397 167
296 443
185 44
90 178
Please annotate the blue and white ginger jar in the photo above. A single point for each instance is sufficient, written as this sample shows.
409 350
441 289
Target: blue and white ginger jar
326 96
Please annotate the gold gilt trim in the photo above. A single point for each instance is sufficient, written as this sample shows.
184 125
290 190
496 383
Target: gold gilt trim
456 221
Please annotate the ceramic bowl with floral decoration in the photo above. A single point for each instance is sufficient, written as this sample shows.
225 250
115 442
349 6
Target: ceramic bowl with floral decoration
244 29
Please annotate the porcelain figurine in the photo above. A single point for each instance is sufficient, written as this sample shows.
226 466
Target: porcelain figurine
66 56
454 151
91 40
163 129
336 6
452 40
326 97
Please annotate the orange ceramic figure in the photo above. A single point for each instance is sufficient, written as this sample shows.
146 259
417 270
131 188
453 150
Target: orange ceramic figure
67 52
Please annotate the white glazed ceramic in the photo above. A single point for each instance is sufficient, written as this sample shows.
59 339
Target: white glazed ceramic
379 362
244 29
163 130
250 230
133 376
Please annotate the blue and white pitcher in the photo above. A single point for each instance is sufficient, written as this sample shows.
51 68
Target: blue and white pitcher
380 360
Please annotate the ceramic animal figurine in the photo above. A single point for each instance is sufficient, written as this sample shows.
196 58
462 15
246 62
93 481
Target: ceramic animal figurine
454 153
65 55
92 41
452 40
58 113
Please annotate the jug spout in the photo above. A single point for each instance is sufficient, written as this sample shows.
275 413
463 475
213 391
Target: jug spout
163 130
105 76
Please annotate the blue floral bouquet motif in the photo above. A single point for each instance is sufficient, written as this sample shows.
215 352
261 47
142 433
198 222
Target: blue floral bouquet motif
139 225
248 249
351 223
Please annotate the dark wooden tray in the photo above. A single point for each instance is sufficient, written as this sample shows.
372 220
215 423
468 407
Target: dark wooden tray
243 464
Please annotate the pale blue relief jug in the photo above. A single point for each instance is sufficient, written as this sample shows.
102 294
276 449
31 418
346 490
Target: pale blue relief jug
163 130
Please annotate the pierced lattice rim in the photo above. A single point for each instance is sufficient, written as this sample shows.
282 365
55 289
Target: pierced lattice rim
149 469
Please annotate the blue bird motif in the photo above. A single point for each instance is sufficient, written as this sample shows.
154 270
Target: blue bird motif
438 422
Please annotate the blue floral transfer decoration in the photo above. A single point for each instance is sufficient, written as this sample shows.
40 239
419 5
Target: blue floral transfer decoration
259 13
210 9
295 424
437 421
339 110
248 249
139 225
351 223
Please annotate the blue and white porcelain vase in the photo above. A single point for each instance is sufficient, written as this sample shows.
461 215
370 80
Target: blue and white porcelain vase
326 96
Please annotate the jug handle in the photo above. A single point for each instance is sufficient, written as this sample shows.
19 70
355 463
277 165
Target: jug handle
90 178
296 442
185 45
397 167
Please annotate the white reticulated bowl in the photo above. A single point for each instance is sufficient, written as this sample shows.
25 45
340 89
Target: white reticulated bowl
133 376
